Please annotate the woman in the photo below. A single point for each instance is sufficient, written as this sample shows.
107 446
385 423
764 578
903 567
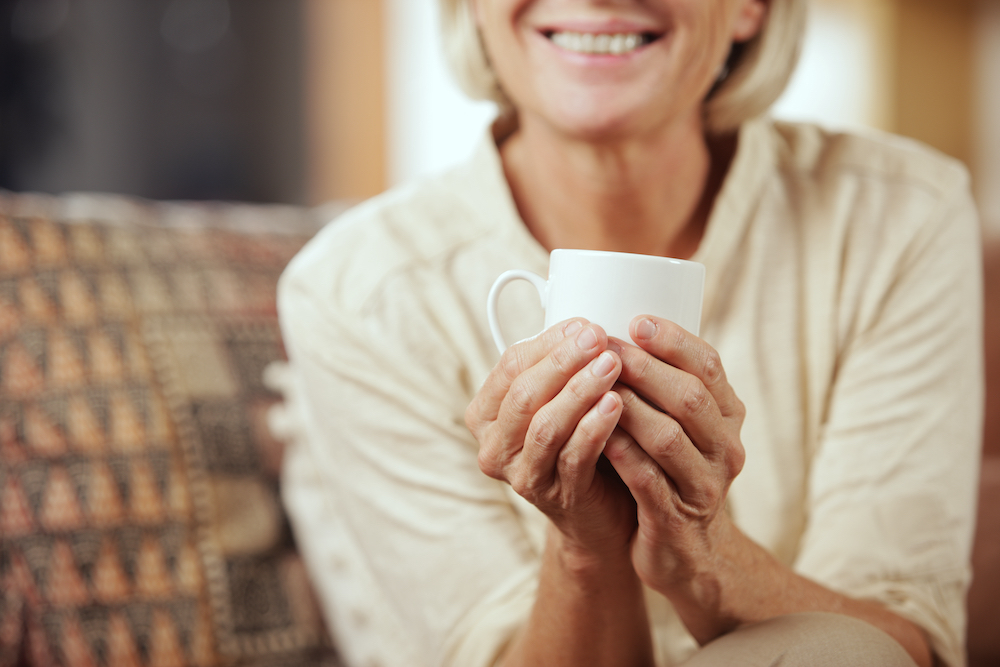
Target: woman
796 486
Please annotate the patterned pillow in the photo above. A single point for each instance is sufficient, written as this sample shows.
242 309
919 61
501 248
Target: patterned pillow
139 514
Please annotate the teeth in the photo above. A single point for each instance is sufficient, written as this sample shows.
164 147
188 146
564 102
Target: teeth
598 44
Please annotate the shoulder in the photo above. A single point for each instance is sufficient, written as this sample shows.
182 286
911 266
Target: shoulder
882 222
866 158
405 229
874 194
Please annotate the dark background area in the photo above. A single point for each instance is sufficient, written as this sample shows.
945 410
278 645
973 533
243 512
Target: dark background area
166 99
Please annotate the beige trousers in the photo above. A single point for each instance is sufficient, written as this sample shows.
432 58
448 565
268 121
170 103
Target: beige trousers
804 640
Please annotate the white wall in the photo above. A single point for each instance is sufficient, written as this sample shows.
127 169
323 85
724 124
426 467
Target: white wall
844 65
431 123
841 69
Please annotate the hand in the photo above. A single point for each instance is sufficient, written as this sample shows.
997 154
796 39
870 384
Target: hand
678 450
542 419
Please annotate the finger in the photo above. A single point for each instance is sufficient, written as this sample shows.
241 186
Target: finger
681 349
517 359
560 420
666 443
646 480
530 390
538 385
577 463
678 393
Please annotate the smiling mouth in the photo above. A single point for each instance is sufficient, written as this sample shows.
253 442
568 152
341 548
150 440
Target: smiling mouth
601 43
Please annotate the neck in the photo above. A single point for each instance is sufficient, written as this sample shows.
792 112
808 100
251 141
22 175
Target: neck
651 195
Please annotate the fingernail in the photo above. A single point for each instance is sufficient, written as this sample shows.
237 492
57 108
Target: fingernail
645 329
587 339
603 365
607 404
615 347
572 328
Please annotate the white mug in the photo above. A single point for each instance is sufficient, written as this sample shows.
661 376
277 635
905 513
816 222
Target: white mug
609 289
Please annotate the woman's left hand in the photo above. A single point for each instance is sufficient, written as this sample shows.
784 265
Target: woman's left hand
678 449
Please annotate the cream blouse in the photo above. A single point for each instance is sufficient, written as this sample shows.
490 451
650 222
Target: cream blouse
843 293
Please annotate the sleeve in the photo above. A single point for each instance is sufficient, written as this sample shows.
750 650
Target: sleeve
893 483
418 558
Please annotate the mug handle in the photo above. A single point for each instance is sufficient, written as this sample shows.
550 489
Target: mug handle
491 301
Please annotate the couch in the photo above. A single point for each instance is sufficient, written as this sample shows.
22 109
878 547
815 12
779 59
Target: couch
140 522
139 508
984 595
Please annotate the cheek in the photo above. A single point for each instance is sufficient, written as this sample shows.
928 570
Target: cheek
711 40
712 22
503 47
491 28
500 56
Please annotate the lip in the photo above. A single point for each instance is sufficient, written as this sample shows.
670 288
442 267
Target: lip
596 59
608 27
615 26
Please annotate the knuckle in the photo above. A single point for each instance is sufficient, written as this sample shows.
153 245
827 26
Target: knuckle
543 431
520 398
511 364
711 497
520 485
703 502
696 400
631 401
676 337
616 442
564 358
735 458
570 464
669 438
629 397
644 369
741 410
591 431
472 419
489 462
712 369
648 477
524 485
578 390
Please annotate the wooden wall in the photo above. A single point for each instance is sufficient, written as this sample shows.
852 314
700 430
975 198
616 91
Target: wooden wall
345 99
935 74
925 70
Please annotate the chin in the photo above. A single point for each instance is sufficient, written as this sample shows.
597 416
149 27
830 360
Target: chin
598 121
595 110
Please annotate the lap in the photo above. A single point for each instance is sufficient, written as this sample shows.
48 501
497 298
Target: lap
804 640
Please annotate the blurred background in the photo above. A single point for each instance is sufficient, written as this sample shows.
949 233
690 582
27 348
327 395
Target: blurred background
307 101
312 102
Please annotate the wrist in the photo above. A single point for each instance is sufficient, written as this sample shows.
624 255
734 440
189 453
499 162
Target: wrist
589 609
589 562
710 590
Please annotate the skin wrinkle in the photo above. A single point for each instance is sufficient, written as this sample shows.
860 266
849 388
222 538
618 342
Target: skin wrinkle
614 156
405 416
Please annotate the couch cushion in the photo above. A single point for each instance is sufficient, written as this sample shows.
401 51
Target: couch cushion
984 595
139 516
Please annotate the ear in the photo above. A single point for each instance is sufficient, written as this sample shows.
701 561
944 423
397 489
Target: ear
749 19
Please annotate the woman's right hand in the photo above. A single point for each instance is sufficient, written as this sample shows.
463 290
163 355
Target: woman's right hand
542 419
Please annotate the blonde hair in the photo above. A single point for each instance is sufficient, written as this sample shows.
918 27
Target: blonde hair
756 73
